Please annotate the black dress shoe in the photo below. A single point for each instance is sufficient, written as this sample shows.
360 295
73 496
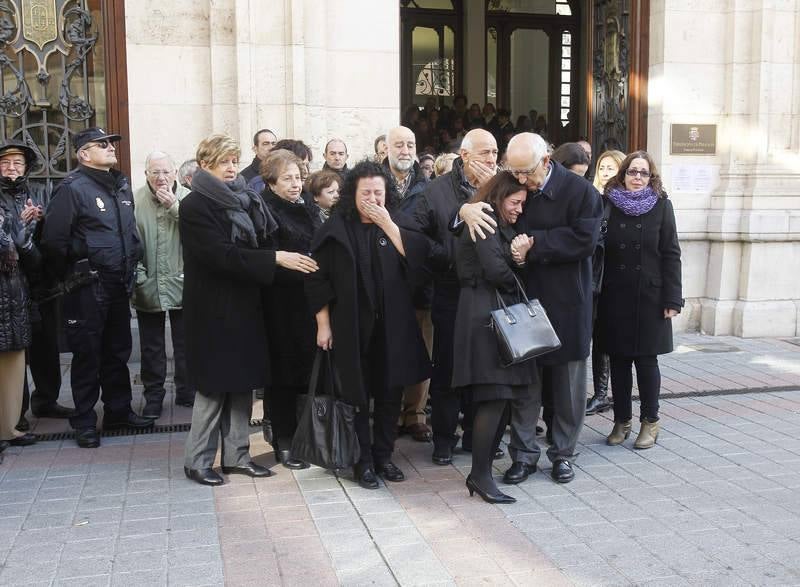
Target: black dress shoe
284 457
152 410
562 471
26 439
518 472
250 469
492 496
52 411
87 437
23 425
203 476
366 477
598 404
390 472
131 420
498 453
442 455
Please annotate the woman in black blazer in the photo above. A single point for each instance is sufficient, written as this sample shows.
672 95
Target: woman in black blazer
641 292
485 267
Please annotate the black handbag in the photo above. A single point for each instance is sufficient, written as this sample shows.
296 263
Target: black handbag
326 432
523 330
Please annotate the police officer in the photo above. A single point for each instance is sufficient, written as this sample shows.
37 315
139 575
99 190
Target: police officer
91 231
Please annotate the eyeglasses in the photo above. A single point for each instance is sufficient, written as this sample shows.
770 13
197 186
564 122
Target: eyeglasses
102 143
527 172
640 172
8 163
158 173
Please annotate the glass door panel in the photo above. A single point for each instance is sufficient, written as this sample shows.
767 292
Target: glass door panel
530 73
433 63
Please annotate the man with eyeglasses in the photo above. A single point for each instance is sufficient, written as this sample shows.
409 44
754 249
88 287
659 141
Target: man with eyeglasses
563 213
90 239
263 142
27 199
159 282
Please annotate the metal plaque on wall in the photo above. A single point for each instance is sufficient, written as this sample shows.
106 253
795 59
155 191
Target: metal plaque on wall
693 139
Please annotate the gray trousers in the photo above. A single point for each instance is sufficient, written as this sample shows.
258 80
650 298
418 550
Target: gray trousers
214 415
568 381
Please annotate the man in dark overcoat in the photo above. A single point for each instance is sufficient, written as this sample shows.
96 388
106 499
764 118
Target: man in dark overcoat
563 214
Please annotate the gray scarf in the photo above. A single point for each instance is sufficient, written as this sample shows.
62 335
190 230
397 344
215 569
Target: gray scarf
244 208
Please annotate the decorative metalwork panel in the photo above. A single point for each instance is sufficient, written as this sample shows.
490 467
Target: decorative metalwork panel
48 77
611 74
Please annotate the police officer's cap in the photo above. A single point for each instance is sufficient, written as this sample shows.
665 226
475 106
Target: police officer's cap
94 133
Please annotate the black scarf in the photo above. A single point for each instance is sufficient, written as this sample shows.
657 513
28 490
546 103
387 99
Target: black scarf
244 207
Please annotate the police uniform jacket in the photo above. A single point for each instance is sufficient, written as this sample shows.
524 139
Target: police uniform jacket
90 216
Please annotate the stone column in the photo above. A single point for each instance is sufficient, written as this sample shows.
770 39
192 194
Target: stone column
474 51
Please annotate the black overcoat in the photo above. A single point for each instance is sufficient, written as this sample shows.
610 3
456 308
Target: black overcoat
335 285
290 324
483 268
642 277
226 346
564 219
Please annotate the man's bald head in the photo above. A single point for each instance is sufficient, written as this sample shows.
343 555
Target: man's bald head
478 151
477 137
401 146
527 159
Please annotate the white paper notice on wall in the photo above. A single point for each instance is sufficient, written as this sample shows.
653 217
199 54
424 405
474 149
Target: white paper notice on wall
696 179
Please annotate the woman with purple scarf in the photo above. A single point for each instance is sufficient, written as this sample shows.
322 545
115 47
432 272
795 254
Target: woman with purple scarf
641 292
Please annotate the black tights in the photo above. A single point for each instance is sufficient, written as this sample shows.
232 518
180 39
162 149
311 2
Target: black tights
487 430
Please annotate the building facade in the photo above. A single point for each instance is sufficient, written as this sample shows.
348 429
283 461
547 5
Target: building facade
711 88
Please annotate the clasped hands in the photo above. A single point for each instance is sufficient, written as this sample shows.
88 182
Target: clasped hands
520 246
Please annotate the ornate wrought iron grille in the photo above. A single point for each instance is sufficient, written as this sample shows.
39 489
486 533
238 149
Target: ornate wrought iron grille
50 84
611 74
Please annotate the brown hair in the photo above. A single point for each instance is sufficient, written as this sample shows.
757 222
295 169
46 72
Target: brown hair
211 150
497 189
322 180
618 181
276 162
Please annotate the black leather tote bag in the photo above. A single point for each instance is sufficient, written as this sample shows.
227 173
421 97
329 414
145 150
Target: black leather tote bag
523 330
326 433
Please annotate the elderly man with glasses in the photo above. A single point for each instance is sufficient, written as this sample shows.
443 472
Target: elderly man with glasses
563 214
90 240
159 282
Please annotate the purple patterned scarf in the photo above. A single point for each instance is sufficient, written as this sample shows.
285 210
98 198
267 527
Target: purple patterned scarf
633 203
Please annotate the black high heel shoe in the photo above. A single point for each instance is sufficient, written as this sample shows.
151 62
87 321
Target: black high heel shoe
498 497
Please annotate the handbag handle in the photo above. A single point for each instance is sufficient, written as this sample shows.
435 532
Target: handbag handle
523 298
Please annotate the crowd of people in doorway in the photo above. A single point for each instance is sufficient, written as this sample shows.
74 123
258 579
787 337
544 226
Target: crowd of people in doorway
392 266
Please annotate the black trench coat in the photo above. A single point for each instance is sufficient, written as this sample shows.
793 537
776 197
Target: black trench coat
484 267
226 346
564 219
335 284
642 277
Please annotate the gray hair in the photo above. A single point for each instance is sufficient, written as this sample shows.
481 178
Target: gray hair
158 156
188 168
531 142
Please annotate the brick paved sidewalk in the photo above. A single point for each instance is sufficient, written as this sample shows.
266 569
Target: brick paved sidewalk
716 502
699 364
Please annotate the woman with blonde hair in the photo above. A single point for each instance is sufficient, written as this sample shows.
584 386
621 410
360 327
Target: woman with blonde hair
443 164
228 257
607 167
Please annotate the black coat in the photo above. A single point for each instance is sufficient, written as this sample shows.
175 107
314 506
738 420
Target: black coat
335 285
291 327
226 346
483 268
564 219
642 277
252 170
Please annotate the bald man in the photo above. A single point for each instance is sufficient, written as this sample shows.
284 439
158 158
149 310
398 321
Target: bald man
562 213
475 165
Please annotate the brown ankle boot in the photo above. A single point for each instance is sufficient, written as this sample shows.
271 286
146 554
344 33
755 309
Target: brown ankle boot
619 434
648 433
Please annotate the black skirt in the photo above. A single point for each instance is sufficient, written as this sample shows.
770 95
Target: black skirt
486 392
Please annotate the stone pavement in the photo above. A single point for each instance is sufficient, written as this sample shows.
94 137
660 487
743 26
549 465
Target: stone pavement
716 502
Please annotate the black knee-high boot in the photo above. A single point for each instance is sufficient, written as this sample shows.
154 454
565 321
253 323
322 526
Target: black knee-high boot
599 402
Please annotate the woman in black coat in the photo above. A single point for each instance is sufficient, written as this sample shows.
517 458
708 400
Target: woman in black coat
641 292
368 254
485 268
291 329
227 259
